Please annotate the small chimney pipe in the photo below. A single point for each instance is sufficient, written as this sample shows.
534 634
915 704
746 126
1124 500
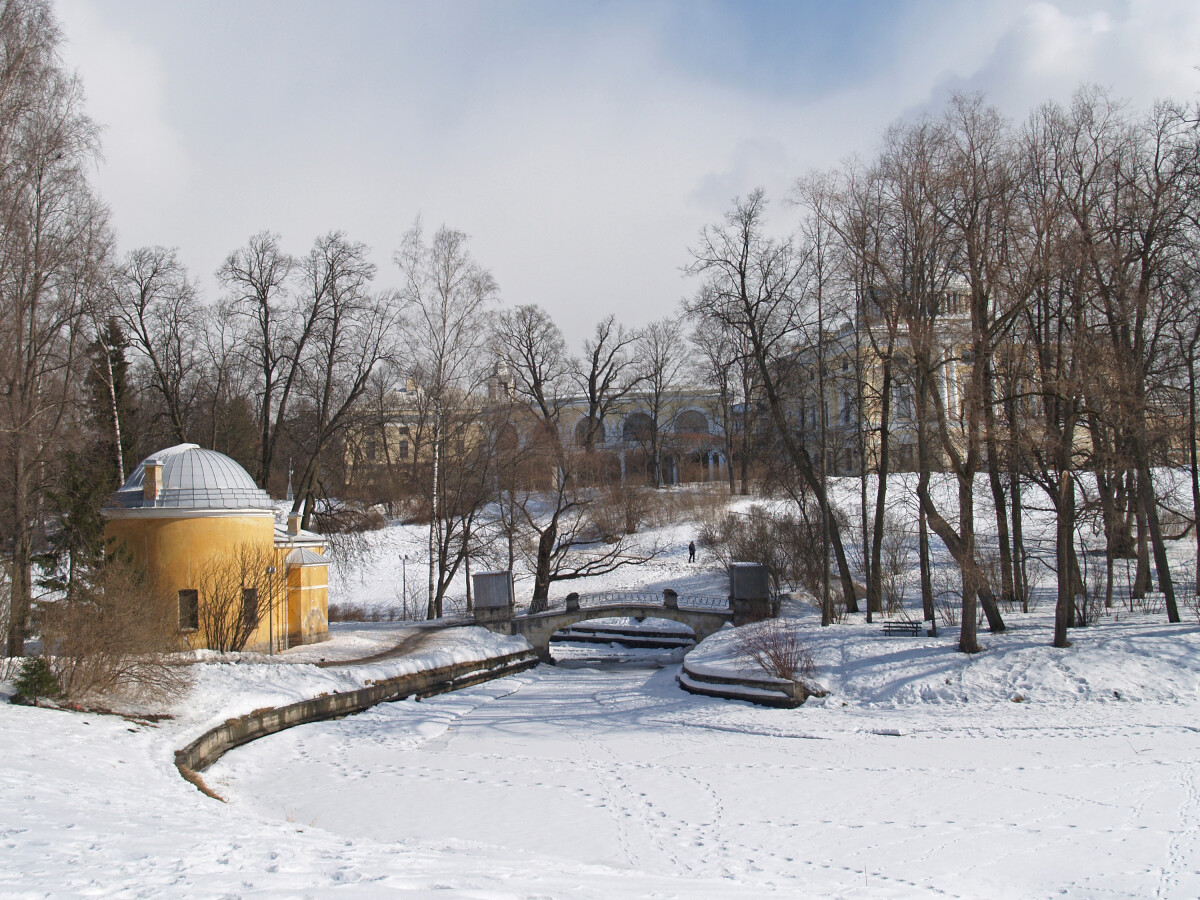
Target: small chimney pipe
151 481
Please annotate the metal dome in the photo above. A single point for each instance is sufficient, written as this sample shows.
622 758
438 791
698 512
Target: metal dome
193 478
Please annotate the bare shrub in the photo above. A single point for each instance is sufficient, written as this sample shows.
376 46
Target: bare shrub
947 609
1175 524
895 564
837 603
947 598
989 567
1191 601
347 518
114 637
347 612
1150 605
699 503
1089 603
837 607
235 595
692 503
788 544
776 648
620 509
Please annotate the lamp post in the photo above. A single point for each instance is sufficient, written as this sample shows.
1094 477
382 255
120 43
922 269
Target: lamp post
271 611
404 584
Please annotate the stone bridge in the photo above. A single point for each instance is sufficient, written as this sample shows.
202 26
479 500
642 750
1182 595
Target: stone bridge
704 615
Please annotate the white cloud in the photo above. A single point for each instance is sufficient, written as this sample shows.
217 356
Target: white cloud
580 158
146 167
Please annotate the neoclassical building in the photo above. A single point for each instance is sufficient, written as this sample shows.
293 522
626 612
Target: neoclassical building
692 437
690 434
207 534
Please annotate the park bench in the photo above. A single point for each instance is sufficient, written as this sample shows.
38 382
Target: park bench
912 629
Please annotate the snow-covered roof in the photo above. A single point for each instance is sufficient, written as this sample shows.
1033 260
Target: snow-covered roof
302 556
193 478
284 538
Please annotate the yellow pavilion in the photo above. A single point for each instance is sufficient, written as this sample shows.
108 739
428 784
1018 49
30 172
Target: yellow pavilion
206 533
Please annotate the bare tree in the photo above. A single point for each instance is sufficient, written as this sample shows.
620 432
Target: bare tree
116 635
560 519
352 335
720 360
754 285
447 295
606 375
662 360
53 241
234 597
160 310
256 277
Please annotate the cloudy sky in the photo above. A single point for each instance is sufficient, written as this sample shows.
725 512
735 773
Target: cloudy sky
580 145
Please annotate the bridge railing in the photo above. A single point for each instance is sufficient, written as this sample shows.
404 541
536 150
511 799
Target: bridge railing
638 598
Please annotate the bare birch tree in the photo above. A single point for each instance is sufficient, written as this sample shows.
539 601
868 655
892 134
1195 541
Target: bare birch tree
53 242
447 295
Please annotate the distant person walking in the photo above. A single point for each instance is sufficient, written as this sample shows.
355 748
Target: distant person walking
692 552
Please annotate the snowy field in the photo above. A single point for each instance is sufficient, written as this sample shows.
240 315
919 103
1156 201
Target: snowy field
1019 772
919 774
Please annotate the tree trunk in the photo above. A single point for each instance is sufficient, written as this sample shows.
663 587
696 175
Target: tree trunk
875 582
467 572
1161 564
1007 590
1142 581
21 592
926 576
1191 440
992 446
541 578
433 611
1020 577
957 547
968 641
1063 545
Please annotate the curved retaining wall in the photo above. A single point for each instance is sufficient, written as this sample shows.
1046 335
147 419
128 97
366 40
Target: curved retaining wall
763 692
216 742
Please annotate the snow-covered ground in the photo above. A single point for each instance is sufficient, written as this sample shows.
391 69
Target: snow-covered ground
1021 771
918 774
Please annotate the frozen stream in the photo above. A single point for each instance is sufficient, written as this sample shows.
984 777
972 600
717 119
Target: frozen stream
612 780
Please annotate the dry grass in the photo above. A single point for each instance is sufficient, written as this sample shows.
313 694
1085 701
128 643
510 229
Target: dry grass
195 778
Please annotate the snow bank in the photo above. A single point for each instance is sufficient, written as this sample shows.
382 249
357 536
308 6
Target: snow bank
225 690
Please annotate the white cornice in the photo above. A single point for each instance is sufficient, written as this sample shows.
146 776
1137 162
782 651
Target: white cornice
175 512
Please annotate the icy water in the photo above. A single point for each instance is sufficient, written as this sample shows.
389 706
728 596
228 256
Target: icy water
612 774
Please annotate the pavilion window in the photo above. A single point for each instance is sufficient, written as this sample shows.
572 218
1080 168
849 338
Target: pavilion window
250 607
189 610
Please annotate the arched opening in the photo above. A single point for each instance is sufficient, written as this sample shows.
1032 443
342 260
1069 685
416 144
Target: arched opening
622 640
581 430
691 422
638 428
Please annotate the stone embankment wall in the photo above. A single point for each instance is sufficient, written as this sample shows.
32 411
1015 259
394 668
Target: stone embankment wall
765 691
214 743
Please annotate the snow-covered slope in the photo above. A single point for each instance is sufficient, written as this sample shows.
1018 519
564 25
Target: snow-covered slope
1018 772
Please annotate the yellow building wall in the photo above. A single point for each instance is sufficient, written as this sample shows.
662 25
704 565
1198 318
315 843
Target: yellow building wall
175 550
307 604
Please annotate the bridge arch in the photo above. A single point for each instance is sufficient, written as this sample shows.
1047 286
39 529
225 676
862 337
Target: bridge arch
538 628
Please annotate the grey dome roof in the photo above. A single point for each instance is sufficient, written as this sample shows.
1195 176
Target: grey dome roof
193 478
